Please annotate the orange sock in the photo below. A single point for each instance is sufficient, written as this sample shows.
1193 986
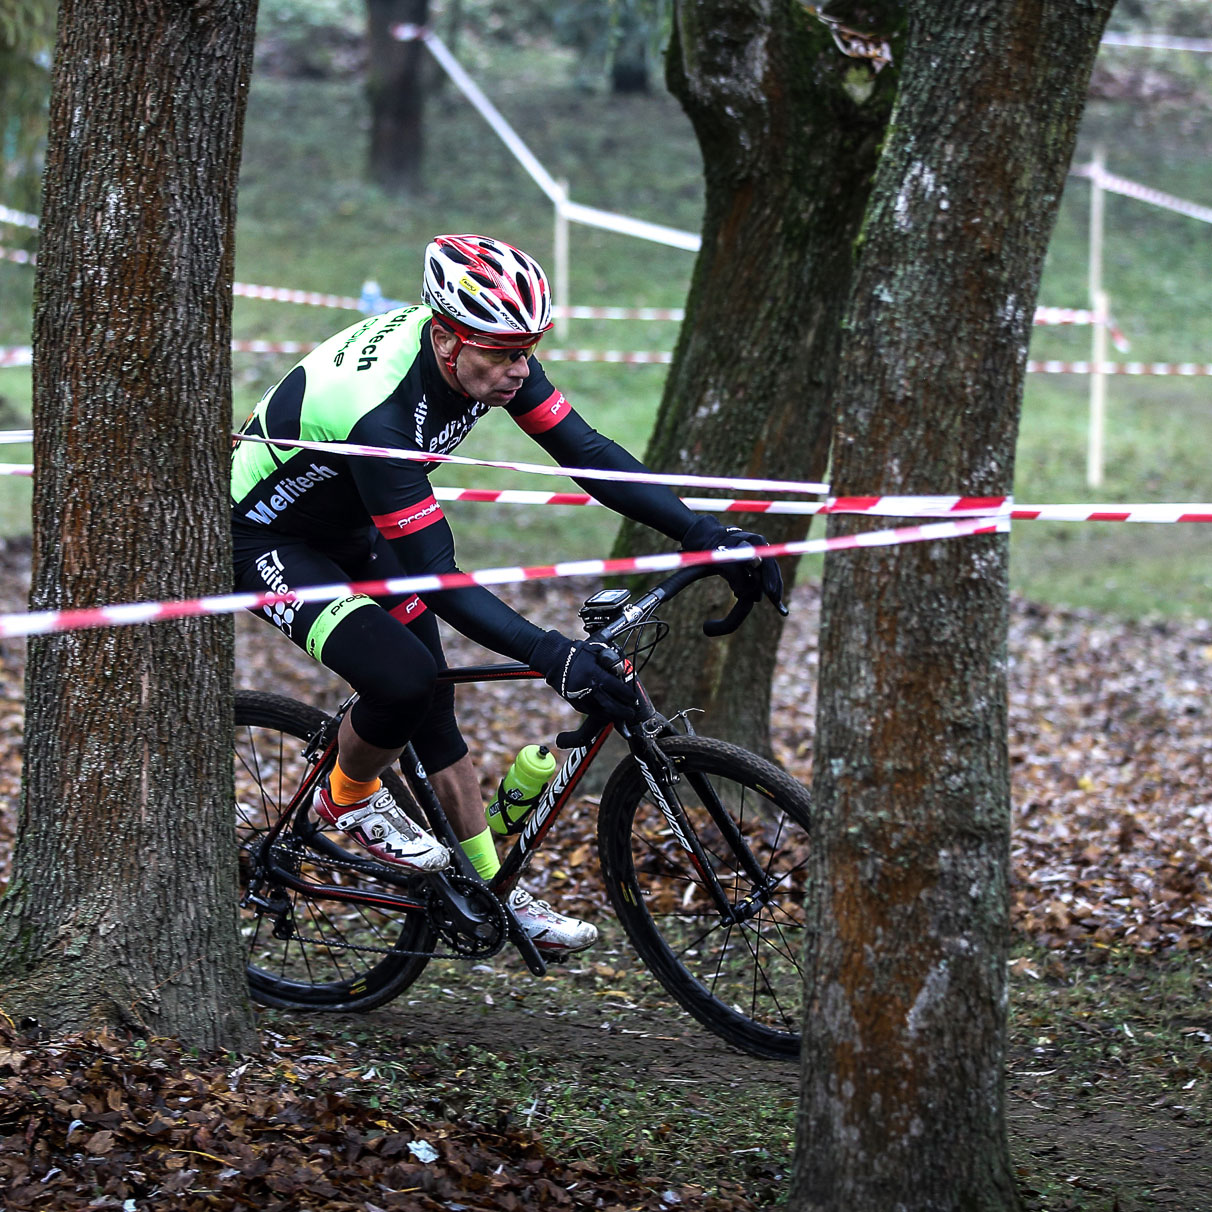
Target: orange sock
346 791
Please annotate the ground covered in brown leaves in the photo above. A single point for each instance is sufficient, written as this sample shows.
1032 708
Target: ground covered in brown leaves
1112 855
93 1122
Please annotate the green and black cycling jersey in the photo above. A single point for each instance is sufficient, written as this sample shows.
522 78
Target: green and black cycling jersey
378 383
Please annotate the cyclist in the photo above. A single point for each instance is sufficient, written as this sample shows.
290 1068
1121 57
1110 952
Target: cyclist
419 378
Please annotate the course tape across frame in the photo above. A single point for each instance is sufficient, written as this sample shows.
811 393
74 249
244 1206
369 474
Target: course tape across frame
45 622
899 507
22 355
886 505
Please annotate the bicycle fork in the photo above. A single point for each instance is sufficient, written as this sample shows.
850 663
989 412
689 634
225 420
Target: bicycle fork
662 790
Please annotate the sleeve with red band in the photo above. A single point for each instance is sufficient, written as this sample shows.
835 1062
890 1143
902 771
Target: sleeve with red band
544 416
410 519
411 608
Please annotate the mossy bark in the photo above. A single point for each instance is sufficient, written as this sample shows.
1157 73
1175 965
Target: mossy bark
790 130
903 1094
122 910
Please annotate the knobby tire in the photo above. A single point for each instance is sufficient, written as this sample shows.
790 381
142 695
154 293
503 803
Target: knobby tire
743 980
320 967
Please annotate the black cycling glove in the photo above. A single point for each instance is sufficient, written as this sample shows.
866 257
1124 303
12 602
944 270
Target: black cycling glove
584 673
748 580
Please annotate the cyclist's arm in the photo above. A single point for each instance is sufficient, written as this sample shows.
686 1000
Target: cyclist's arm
561 431
403 508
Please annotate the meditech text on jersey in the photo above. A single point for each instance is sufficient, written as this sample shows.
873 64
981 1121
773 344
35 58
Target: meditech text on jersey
288 490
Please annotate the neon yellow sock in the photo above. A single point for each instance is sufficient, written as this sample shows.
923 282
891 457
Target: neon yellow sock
483 854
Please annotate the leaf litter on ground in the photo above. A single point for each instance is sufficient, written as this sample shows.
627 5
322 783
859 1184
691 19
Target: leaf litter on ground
1112 849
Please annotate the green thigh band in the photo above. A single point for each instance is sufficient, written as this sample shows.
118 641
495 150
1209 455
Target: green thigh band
329 617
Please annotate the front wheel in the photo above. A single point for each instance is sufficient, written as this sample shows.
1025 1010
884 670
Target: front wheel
310 952
723 929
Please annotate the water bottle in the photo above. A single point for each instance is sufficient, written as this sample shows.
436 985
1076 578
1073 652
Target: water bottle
520 789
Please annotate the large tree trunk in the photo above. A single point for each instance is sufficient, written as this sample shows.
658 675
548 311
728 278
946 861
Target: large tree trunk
395 86
123 906
790 130
904 1039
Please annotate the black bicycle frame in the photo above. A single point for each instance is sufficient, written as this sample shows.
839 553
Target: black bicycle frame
640 739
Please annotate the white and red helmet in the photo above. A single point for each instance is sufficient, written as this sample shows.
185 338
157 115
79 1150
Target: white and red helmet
489 293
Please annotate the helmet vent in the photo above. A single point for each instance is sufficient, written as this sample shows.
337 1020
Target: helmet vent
515 312
524 291
474 307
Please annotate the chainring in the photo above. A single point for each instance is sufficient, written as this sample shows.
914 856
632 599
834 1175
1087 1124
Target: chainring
482 901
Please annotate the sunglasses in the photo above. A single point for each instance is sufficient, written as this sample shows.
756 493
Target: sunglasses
499 357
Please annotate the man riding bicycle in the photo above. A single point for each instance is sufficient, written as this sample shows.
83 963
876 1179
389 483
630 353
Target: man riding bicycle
419 378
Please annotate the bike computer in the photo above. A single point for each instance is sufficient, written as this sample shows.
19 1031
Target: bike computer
603 606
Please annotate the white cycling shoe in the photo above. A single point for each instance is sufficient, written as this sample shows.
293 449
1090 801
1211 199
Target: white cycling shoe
555 934
382 827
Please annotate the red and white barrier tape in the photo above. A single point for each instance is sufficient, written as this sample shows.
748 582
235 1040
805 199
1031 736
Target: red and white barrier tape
583 473
47 621
22 355
18 256
897 507
18 218
1166 42
1054 316
1121 368
1044 316
281 294
1099 176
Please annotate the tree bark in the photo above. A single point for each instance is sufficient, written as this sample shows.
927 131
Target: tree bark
122 909
395 86
789 129
903 1102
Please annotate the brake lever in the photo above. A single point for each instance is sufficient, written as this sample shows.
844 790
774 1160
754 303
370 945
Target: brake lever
584 735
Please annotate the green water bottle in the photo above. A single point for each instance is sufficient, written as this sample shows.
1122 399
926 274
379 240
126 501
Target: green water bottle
520 789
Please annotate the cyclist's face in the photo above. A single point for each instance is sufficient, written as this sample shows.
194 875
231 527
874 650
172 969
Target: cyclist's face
492 376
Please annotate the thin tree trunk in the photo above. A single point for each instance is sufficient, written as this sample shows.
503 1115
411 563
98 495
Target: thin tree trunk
903 1102
395 86
122 909
790 130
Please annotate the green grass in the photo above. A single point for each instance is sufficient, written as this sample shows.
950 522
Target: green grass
307 219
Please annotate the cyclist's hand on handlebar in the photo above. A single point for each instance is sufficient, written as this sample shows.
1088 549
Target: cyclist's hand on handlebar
749 580
587 674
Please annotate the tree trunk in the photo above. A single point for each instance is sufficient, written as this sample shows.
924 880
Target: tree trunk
903 1091
790 130
629 66
122 909
395 86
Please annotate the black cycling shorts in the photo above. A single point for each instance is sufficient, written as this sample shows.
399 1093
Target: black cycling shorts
387 648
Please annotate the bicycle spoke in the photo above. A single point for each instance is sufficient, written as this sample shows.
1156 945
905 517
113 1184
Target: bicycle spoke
303 949
735 965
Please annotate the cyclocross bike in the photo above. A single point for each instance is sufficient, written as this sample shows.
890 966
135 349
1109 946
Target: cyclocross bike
703 849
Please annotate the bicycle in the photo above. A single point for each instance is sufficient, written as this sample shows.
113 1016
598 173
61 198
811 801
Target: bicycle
703 848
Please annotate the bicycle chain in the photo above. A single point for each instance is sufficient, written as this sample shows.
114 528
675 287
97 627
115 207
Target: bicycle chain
294 850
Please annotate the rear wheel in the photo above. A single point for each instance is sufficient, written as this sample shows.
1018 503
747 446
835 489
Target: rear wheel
723 933
304 951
